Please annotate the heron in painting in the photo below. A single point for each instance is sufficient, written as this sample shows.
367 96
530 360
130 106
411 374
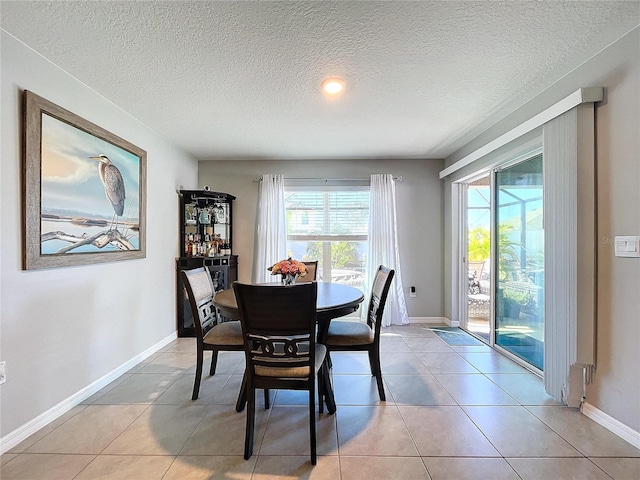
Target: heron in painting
113 184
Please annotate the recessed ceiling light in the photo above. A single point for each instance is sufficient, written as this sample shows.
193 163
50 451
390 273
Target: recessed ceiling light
333 86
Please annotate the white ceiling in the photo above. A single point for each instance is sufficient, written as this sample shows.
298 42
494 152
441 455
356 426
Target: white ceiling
240 80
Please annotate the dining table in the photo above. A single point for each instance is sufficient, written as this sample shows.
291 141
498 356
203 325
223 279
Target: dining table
334 300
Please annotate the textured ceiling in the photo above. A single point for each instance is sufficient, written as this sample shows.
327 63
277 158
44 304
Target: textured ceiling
237 80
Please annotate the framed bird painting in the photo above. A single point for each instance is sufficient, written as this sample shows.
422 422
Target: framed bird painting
84 190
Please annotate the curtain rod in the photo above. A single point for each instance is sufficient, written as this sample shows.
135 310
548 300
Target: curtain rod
325 180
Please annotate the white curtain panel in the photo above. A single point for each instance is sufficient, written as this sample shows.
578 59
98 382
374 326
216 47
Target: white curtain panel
383 246
271 237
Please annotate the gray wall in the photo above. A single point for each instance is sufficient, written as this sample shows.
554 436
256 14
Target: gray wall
63 329
616 390
419 204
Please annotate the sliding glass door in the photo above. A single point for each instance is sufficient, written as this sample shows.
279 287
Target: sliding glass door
503 264
519 322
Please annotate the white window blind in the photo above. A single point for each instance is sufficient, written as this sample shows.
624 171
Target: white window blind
329 222
569 218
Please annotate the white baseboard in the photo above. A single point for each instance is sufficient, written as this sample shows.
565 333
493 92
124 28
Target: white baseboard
611 424
25 431
430 320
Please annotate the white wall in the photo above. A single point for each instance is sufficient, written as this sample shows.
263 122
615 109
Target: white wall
616 390
62 329
419 205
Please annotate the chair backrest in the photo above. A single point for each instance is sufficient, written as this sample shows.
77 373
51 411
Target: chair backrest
200 290
378 299
278 327
312 272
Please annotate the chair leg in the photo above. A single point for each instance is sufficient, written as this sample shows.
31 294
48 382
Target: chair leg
196 383
328 360
312 425
248 437
374 360
267 400
214 362
321 390
328 392
242 395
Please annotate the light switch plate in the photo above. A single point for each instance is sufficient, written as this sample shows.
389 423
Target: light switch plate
627 246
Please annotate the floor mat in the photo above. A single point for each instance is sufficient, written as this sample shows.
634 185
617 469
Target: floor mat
455 336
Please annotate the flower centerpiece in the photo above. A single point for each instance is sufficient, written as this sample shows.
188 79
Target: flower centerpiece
289 269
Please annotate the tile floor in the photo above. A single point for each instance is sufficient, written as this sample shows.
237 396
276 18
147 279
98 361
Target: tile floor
451 413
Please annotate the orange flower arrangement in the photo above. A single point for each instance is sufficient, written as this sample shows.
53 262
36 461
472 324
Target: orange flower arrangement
288 267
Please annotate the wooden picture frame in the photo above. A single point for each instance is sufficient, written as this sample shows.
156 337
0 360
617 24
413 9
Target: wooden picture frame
84 190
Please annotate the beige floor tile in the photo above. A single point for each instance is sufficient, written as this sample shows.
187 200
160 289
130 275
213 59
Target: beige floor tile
229 393
211 468
516 432
557 468
228 362
152 414
126 467
357 390
427 344
46 430
290 397
412 330
360 432
174 363
492 362
27 466
221 432
402 364
142 388
393 343
180 391
417 390
474 389
369 468
526 388
588 437
447 468
619 468
92 399
287 433
90 431
350 363
144 362
446 431
445 362
296 467
182 345
160 430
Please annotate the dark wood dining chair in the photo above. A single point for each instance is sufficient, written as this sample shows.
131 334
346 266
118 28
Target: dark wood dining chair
359 336
312 272
211 334
279 333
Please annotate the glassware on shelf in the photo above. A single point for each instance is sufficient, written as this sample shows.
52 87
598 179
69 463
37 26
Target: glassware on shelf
206 223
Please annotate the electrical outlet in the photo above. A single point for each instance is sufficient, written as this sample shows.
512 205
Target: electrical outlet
412 291
3 372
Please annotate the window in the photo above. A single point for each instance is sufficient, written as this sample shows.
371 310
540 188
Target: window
329 223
